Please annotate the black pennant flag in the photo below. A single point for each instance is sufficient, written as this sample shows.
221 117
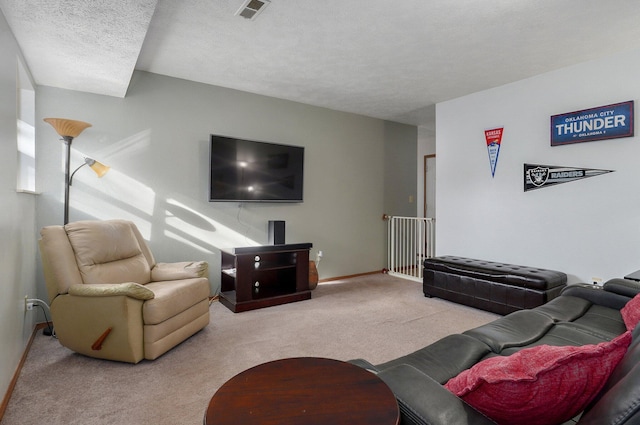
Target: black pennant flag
537 176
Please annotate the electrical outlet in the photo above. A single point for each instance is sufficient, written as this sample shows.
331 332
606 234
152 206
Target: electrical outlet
596 280
28 303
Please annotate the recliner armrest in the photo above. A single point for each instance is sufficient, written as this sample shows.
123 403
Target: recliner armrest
181 270
80 320
423 401
129 289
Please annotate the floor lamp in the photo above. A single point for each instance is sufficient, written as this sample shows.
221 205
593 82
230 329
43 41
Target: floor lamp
68 130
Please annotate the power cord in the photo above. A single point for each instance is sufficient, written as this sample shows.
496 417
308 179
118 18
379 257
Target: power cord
245 225
49 331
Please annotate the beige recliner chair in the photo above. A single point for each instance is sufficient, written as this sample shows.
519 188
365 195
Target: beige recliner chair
110 299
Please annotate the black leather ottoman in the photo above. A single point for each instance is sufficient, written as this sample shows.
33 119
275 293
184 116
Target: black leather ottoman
496 287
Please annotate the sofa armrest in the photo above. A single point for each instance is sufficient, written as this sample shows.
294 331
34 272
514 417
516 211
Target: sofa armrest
182 270
626 287
129 289
423 401
596 295
365 365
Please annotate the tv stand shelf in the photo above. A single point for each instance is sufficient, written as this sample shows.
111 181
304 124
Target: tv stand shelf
264 276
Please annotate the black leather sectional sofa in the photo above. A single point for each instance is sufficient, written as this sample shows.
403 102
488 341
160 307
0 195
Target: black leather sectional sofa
581 315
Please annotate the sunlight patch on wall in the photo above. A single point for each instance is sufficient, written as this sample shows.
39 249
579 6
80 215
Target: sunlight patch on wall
117 195
127 192
197 246
190 226
136 143
26 134
26 157
96 205
113 195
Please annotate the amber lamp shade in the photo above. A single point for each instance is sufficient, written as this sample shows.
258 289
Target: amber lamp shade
98 167
67 128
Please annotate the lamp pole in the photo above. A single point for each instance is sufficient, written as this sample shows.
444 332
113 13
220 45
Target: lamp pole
67 142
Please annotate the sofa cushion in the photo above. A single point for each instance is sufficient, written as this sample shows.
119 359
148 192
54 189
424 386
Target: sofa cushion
445 358
565 308
539 385
603 320
172 297
564 334
619 400
514 330
631 313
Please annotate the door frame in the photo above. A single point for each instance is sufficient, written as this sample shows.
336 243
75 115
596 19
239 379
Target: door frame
424 183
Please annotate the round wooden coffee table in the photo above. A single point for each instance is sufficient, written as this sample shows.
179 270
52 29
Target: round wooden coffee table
304 391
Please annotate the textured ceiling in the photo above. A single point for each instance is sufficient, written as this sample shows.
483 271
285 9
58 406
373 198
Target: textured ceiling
381 58
81 45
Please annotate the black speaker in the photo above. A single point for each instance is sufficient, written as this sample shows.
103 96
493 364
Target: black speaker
276 232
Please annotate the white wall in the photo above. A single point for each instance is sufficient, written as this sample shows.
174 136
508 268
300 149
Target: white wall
587 228
156 141
17 224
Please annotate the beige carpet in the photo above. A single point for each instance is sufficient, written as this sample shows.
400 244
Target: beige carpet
376 317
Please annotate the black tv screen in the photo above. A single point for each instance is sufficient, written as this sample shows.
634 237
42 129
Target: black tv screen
252 171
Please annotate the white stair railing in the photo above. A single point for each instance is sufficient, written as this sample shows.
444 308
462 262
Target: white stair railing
410 240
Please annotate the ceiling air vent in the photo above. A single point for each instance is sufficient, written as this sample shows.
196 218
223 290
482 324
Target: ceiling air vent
252 8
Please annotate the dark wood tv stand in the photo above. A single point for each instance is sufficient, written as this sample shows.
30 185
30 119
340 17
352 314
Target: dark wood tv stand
264 276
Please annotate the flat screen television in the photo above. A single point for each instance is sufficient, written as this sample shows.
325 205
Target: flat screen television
251 171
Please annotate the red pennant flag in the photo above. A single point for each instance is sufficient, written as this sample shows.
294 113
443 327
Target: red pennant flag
494 139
